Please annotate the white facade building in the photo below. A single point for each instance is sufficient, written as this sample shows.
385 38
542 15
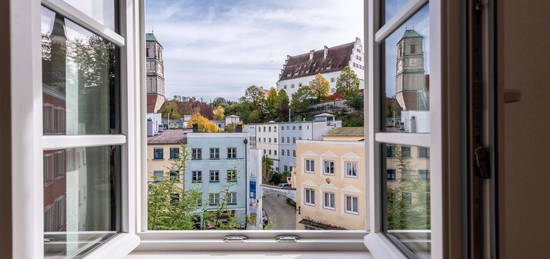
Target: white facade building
278 140
154 124
301 69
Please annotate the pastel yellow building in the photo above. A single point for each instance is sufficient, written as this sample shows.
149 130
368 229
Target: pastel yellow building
330 180
162 151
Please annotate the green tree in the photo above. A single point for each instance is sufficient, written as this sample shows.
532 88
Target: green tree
408 200
301 100
266 169
170 110
256 96
272 104
283 105
320 87
347 84
221 218
220 101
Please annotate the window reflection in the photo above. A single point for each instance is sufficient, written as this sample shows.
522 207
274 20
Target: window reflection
103 11
392 7
407 201
80 79
406 76
80 200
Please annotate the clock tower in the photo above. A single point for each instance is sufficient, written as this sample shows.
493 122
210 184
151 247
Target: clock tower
411 91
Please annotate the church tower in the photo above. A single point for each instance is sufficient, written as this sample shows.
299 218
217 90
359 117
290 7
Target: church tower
410 87
155 74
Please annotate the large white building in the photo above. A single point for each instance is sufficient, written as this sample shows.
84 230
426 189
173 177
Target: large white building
278 139
300 70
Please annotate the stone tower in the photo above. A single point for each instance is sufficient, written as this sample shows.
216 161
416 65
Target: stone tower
411 88
155 74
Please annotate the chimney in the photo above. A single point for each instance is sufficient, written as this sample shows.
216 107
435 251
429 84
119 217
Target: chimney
325 52
195 127
311 54
239 128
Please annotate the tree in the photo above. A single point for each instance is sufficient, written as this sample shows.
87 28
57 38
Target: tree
221 218
219 113
283 106
203 123
320 87
347 84
409 199
220 101
302 99
231 127
170 110
256 96
272 104
267 171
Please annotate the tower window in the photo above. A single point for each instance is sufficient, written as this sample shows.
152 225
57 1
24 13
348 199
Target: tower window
413 48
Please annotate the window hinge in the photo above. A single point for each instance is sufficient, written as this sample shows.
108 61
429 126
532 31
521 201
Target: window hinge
287 238
234 238
481 155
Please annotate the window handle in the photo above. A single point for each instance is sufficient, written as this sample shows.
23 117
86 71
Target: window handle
512 96
287 238
235 239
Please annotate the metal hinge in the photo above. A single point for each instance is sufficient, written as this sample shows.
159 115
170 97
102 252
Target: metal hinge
234 238
287 238
481 155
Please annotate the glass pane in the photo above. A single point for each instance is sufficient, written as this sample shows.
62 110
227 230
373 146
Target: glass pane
407 197
392 7
103 11
81 79
406 76
81 199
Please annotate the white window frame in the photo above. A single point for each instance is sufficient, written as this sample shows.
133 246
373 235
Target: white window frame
333 199
356 167
311 196
346 209
325 167
376 241
27 125
309 165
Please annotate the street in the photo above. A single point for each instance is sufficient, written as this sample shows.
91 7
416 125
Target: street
282 215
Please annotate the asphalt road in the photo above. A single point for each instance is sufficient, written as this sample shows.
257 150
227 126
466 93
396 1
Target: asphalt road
282 215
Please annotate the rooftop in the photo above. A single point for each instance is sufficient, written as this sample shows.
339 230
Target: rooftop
170 136
346 132
301 65
150 37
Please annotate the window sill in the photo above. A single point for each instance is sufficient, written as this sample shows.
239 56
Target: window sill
380 246
118 247
249 255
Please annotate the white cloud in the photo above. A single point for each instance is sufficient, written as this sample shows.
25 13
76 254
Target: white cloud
218 48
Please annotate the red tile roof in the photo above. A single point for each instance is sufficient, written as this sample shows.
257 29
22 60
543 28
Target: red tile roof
337 58
171 136
151 103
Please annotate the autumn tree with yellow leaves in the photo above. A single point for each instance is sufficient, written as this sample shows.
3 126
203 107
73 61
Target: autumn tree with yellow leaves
205 125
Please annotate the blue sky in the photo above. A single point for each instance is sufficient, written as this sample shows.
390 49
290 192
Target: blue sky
219 47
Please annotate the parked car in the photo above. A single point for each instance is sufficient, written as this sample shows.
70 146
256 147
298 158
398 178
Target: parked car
284 185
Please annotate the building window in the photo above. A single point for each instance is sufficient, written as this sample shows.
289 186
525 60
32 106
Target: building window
174 153
293 139
294 153
423 152
300 127
232 198
158 175
294 127
231 153
332 79
214 176
270 152
424 174
214 153
350 169
352 205
196 177
286 168
310 165
282 139
158 154
287 139
269 128
390 174
275 140
406 174
329 201
413 48
196 153
328 168
390 151
309 195
269 140
231 175
174 176
213 199
405 151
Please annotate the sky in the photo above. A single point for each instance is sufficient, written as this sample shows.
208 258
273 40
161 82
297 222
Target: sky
217 48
